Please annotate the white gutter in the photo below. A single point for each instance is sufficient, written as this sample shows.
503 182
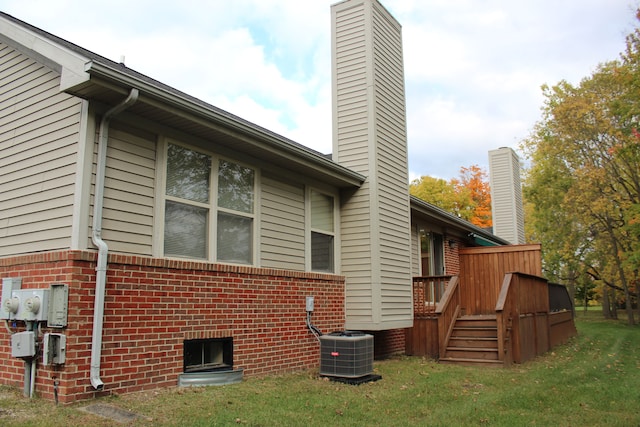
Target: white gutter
96 237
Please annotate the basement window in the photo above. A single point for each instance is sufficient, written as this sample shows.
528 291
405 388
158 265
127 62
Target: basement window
212 354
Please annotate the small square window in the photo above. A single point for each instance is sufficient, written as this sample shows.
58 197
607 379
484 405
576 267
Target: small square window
235 238
321 252
188 174
185 230
235 187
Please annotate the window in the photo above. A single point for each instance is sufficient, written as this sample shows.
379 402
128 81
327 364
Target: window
322 232
210 354
235 210
189 208
431 253
187 203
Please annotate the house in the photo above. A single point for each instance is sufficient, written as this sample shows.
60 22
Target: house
173 237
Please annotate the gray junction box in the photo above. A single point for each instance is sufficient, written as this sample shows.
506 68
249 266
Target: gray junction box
23 344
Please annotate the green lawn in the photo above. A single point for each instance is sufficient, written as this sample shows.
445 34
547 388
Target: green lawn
592 381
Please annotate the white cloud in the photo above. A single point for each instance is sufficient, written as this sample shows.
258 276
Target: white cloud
473 69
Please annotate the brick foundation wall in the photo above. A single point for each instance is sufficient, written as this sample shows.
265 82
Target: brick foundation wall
152 305
388 343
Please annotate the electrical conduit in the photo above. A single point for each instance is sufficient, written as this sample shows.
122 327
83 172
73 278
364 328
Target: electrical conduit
96 237
29 367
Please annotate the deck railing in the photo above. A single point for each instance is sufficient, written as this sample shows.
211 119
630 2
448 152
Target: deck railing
505 311
447 311
427 292
559 299
522 314
532 315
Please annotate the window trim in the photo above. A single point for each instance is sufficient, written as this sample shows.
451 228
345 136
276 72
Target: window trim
435 250
309 230
212 206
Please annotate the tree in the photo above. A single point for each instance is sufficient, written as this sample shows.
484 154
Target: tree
474 180
442 194
584 179
468 197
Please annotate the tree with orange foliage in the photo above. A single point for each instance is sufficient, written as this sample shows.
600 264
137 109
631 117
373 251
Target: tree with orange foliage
468 197
475 182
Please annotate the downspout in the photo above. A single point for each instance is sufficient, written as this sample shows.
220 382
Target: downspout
96 237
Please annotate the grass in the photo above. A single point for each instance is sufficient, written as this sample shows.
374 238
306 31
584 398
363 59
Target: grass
593 380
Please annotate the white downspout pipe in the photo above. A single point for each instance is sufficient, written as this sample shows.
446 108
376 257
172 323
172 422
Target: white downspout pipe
96 237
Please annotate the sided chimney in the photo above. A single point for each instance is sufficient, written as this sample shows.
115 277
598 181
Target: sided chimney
506 195
370 137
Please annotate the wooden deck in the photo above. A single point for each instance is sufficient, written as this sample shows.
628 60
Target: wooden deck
496 312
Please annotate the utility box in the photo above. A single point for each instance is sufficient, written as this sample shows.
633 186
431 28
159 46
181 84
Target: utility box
23 344
54 349
33 304
346 354
9 284
58 305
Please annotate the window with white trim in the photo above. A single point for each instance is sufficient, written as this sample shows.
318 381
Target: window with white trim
322 232
235 213
208 201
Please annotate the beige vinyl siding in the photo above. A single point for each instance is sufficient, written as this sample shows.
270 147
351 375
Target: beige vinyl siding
370 138
351 148
282 227
38 152
350 93
506 195
127 218
391 168
352 128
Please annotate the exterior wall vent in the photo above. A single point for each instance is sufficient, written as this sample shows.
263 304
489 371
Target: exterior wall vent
346 354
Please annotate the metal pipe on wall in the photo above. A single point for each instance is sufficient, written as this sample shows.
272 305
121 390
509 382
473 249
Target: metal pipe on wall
96 237
29 369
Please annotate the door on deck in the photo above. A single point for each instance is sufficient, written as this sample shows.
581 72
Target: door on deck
431 253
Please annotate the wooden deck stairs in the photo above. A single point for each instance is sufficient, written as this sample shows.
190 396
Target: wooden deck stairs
497 311
473 341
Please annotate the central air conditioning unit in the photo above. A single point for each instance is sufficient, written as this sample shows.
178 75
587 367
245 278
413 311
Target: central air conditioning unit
346 354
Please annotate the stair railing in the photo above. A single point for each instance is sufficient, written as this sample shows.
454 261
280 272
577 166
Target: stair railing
447 311
506 316
522 311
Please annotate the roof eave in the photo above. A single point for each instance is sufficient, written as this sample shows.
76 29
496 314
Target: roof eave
176 99
428 209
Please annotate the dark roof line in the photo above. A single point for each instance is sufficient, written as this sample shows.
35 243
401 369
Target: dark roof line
465 225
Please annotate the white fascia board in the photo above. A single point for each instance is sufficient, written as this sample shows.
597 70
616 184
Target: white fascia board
70 64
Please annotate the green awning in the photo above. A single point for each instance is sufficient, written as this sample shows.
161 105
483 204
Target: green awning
481 241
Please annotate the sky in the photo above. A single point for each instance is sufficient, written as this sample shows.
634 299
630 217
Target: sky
473 68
